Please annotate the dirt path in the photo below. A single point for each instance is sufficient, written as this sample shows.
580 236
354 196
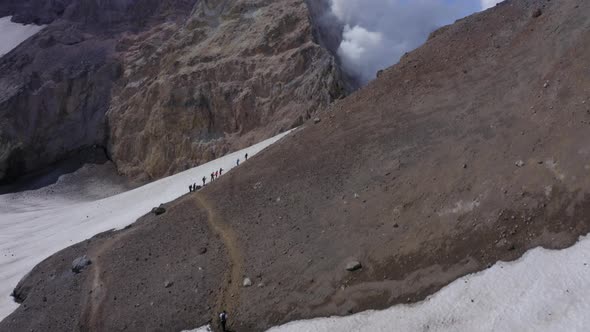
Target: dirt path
94 300
228 298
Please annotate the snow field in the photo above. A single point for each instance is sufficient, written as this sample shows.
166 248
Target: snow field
35 226
12 34
545 290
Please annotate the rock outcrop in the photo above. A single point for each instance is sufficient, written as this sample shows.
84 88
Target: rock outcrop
162 85
231 75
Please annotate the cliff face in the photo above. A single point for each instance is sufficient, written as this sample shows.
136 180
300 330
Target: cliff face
54 90
234 73
162 85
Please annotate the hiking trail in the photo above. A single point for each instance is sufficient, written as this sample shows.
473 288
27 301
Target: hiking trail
228 298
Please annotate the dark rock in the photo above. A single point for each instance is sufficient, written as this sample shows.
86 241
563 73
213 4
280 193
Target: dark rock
353 266
501 243
19 294
159 210
537 13
203 250
168 284
80 263
317 120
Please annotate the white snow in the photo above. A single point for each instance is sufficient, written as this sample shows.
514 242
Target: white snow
545 290
206 328
38 224
485 4
12 34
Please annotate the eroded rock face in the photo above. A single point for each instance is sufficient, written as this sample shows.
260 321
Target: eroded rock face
235 73
53 94
164 85
55 88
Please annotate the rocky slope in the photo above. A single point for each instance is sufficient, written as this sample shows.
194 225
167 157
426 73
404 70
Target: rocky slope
472 149
162 85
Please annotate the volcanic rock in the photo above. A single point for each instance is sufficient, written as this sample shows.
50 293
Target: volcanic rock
159 210
80 263
353 266
139 77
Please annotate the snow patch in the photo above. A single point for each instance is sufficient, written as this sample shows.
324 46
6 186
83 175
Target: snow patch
552 165
201 329
545 290
37 224
461 207
12 34
485 4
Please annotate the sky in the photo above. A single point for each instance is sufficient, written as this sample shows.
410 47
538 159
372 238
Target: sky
378 32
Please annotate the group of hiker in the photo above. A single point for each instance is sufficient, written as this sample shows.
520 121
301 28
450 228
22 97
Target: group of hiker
214 176
238 161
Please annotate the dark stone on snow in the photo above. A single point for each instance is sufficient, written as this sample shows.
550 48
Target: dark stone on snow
80 263
159 210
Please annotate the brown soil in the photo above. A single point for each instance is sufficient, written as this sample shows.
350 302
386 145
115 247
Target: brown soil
418 176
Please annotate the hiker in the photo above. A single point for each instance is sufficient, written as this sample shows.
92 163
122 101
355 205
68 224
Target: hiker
238 162
194 187
223 320
204 179
216 174
212 176
220 171
190 188
246 157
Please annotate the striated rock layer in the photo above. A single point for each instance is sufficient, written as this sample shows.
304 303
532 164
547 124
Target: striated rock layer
234 73
162 85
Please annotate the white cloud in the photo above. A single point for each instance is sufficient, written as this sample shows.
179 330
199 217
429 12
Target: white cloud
378 32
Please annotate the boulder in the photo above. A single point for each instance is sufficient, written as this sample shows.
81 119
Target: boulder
80 263
247 282
353 266
159 210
